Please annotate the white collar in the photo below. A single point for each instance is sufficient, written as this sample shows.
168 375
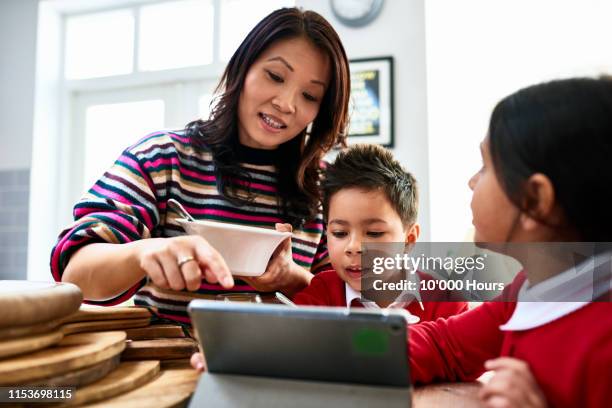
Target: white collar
571 290
400 302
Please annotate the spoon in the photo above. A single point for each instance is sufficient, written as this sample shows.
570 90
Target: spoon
176 206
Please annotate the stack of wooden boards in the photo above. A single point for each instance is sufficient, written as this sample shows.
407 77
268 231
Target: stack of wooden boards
113 356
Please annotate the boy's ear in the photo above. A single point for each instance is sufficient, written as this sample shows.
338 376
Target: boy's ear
412 233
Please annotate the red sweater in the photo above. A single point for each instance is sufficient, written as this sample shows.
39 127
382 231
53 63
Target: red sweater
327 289
571 357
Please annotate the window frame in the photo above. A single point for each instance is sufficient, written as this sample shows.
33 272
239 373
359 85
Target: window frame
58 146
169 85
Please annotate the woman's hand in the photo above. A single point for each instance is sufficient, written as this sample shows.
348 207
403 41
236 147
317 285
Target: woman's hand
512 385
181 262
282 272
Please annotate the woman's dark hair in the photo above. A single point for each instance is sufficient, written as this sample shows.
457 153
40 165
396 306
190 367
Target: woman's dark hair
298 160
562 129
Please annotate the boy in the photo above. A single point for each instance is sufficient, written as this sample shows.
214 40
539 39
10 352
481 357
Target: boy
367 197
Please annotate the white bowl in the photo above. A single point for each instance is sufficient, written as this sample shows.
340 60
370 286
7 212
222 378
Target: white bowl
246 250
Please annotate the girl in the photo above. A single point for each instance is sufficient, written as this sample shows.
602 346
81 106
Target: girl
252 162
544 178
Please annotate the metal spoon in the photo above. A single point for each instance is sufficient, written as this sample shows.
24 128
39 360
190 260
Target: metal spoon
176 206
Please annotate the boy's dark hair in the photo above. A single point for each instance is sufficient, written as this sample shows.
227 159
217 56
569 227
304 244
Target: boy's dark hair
372 167
562 129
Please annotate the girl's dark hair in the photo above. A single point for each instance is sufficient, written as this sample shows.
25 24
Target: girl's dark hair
298 160
562 129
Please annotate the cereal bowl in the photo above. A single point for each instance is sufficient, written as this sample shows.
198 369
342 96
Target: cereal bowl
246 249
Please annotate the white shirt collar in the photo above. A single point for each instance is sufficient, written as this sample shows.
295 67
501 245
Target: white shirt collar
572 290
400 302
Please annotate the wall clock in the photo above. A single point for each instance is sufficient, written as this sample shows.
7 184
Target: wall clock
356 13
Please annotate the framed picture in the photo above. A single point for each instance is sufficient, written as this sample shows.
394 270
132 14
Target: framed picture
371 103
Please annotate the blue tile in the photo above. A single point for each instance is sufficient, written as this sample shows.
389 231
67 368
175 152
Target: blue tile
19 219
13 273
5 240
18 257
6 220
22 177
5 259
6 178
14 217
12 199
14 239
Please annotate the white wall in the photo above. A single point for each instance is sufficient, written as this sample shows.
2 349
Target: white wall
398 31
479 51
475 52
18 19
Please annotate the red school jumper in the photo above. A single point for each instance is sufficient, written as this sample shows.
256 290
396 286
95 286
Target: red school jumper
327 289
571 357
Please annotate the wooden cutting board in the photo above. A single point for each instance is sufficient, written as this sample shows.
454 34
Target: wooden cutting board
22 331
156 331
88 313
25 303
73 352
101 325
176 363
14 347
79 377
159 349
126 377
171 388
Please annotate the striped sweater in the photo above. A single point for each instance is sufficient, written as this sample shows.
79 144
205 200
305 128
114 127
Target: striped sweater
129 203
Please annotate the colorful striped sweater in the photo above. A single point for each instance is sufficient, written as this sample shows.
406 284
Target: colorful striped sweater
129 203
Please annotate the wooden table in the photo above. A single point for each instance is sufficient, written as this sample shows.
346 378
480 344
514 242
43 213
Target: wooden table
174 385
455 395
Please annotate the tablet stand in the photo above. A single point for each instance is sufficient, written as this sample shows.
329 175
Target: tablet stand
230 391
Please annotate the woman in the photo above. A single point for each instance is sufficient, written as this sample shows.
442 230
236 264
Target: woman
252 162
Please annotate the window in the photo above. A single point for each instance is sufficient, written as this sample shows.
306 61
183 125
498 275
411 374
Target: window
175 35
112 71
109 127
92 50
238 17
141 68
204 105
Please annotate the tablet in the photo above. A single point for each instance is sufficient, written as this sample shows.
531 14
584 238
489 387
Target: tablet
333 344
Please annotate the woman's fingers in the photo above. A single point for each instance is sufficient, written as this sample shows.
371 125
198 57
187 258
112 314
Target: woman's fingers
279 269
168 261
282 247
181 262
153 269
215 268
286 244
280 227
192 275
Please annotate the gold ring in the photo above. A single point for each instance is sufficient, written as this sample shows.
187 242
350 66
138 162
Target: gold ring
184 260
